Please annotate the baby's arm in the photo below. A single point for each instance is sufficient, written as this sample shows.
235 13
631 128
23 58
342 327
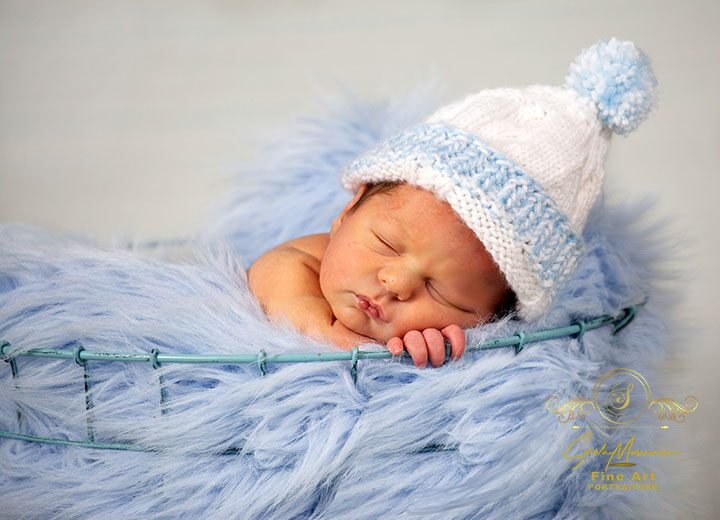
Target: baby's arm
285 281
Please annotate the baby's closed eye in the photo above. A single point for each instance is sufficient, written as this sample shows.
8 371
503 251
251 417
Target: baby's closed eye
439 297
384 244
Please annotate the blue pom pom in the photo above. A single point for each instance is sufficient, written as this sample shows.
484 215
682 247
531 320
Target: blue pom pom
618 77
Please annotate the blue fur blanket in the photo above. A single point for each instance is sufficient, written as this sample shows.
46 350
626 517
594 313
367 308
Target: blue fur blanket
309 443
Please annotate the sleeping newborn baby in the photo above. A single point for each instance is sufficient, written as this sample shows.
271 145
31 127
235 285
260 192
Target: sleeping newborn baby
398 266
475 212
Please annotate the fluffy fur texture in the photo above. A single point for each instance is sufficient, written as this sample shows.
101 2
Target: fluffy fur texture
314 445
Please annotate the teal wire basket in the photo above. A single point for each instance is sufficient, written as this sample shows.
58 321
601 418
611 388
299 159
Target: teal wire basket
518 341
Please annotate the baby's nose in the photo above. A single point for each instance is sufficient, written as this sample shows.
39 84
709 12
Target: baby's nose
402 282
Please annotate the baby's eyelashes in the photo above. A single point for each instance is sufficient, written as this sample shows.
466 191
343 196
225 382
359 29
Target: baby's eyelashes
442 300
386 246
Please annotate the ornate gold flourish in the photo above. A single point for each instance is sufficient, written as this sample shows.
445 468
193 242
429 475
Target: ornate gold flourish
615 404
569 410
669 408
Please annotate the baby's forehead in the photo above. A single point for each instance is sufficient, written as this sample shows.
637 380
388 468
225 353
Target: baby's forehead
441 237
417 213
413 202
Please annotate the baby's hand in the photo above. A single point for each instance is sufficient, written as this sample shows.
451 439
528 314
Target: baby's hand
430 344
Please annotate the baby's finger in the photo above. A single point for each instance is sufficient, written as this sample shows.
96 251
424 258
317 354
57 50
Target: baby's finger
415 345
395 346
436 346
457 340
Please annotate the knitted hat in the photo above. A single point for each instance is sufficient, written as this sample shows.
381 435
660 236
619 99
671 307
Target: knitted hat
523 166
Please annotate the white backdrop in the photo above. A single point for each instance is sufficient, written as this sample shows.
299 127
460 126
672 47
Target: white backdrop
128 118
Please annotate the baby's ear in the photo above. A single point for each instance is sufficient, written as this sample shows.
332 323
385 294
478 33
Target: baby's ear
346 210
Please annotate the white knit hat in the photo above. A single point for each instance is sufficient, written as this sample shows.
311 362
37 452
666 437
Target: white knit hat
523 166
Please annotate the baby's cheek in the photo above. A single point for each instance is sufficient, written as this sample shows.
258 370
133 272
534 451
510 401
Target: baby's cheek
330 276
337 265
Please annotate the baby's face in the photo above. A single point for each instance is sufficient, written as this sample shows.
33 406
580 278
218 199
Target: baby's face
414 260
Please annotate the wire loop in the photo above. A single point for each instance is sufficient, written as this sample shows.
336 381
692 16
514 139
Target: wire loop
153 358
76 353
262 356
625 320
353 369
581 332
521 343
448 350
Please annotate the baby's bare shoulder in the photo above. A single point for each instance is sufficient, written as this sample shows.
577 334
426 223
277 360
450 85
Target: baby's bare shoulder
313 245
287 274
